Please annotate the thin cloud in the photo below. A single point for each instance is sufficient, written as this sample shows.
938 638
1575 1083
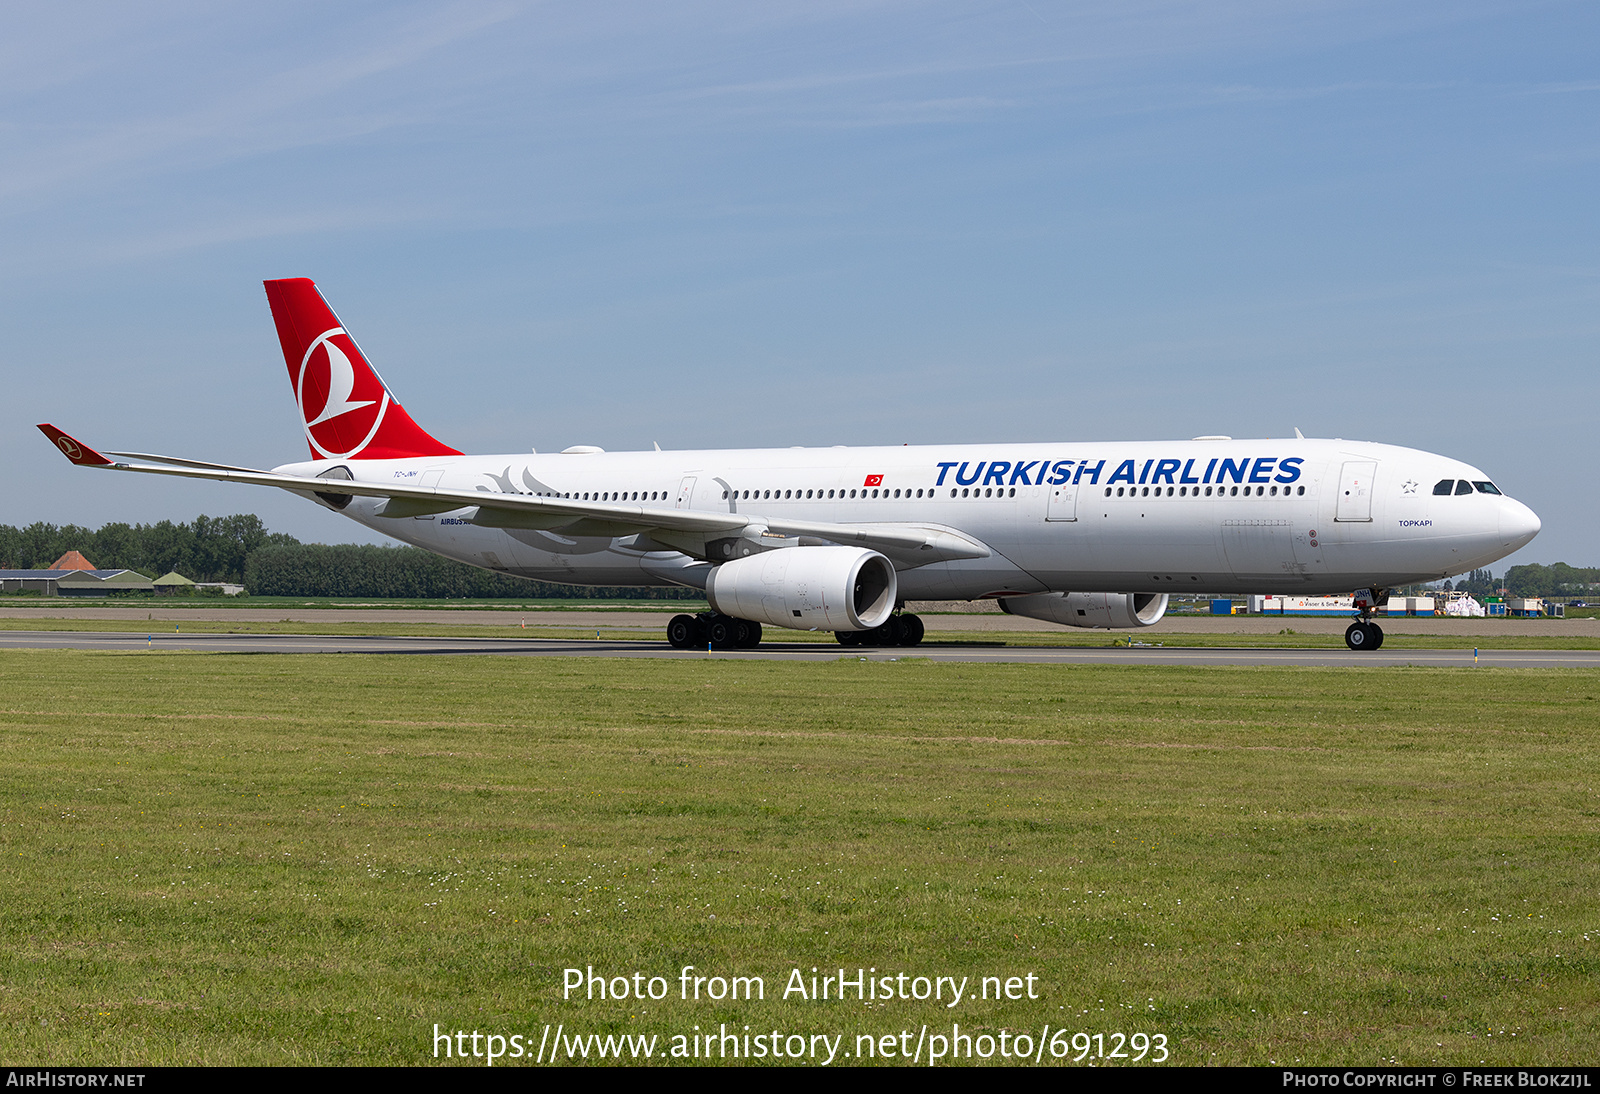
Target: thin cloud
266 116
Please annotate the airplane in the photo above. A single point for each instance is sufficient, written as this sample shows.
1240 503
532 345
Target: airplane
1084 534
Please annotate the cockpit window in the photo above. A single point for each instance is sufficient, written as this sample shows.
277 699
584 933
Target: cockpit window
1444 486
1463 487
1487 488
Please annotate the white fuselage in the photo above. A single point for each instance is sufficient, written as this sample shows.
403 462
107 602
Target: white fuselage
1301 516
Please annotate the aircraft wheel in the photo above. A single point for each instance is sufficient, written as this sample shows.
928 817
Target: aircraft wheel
723 632
894 631
848 638
1360 636
914 630
1377 635
681 632
749 634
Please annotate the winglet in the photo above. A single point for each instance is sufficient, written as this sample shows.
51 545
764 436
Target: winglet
76 451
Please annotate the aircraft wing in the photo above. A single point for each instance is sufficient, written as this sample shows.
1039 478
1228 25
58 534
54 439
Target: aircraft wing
687 530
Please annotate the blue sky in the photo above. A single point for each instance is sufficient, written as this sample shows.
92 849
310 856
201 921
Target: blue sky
710 224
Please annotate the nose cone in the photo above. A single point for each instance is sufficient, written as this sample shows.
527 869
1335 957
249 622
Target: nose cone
1518 524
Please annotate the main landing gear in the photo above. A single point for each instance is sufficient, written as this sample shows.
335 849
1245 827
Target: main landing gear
897 630
720 632
723 632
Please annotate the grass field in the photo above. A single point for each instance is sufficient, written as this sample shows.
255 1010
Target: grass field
258 860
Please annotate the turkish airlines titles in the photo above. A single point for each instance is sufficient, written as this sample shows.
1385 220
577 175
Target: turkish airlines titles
1169 472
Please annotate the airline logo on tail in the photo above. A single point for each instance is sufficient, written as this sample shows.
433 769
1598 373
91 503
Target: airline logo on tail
325 391
345 409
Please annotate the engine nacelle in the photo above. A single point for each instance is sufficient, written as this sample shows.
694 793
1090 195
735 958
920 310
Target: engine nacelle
808 588
1090 609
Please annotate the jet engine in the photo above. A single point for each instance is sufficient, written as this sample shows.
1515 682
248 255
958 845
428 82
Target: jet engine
1090 609
808 588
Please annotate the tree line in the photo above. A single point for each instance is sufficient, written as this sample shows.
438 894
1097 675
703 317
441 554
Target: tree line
363 570
1534 579
240 550
1557 580
210 549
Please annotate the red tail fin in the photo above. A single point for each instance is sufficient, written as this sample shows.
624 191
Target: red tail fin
347 411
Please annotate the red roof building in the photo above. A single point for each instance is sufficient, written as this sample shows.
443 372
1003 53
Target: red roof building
72 560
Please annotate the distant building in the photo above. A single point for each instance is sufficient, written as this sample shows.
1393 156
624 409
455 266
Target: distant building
73 582
172 584
73 575
72 560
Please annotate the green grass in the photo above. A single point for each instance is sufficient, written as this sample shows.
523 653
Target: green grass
258 860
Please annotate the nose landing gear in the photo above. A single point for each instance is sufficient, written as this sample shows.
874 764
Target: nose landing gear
1364 634
1361 635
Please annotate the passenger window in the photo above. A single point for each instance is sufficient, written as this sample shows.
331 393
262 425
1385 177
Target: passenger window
1463 487
1487 488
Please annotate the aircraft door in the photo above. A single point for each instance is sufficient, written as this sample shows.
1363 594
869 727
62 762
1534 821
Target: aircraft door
1355 491
686 492
1063 503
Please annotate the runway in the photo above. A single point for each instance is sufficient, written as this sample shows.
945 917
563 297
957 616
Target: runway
786 651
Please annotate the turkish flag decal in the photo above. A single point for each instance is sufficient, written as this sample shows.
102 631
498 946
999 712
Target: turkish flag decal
874 480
